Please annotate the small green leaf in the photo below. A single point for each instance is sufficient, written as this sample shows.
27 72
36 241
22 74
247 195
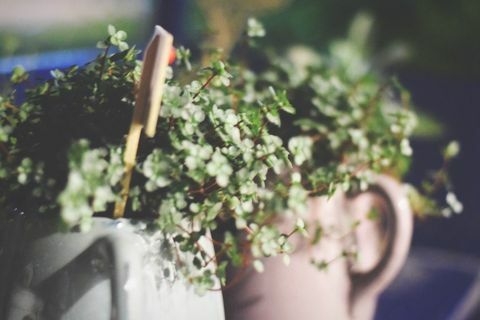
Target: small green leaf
373 214
111 30
19 75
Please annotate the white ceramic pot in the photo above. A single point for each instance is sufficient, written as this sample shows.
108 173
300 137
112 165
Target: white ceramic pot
106 273
347 289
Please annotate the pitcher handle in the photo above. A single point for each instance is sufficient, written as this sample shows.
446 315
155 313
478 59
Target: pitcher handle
399 224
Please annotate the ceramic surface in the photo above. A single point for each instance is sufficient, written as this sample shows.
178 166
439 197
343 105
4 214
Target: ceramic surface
348 288
106 273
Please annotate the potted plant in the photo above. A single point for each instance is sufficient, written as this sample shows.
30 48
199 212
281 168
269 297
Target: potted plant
221 162
350 142
62 156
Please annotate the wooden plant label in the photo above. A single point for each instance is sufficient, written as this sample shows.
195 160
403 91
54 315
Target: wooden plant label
147 105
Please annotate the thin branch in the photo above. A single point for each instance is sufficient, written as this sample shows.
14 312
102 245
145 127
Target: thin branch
103 63
4 149
212 76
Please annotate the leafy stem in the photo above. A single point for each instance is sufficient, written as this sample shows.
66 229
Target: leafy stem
103 60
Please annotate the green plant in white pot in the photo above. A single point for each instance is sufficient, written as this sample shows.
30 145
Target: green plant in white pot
209 163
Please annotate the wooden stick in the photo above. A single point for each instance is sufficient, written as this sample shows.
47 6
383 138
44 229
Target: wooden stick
131 148
147 105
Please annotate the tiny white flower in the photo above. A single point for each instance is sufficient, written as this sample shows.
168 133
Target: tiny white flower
296 177
255 29
452 149
258 266
405 148
453 202
247 206
301 148
231 118
222 180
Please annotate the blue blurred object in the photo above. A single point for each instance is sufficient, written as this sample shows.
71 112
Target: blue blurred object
48 60
39 65
433 285
447 285
455 102
170 14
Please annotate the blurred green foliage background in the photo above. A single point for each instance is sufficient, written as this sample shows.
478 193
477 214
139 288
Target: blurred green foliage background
440 36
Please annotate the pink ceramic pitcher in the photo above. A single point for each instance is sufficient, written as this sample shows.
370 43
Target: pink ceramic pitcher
348 288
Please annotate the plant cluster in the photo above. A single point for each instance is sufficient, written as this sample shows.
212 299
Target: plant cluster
237 145
350 123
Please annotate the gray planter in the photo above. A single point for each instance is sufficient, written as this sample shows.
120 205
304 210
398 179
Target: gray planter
111 272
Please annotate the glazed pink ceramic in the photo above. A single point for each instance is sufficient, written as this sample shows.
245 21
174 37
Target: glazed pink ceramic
348 288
